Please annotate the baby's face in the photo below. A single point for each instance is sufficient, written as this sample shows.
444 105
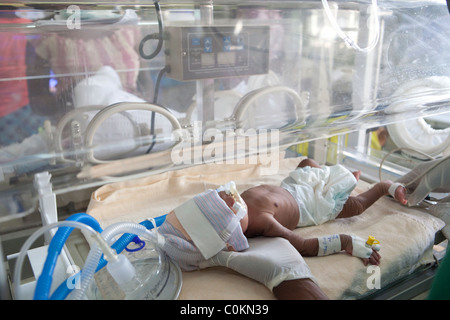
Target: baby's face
229 200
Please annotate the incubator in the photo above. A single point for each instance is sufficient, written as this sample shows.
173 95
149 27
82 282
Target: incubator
94 93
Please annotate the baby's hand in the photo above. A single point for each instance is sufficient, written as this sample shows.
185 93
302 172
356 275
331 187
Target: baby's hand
356 247
230 247
374 259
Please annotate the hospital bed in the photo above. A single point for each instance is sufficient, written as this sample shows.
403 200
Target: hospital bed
144 105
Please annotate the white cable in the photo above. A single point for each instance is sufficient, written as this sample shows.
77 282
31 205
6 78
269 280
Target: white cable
345 37
395 150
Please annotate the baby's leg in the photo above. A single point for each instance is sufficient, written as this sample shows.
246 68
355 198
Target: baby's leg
313 164
299 289
308 162
357 174
356 205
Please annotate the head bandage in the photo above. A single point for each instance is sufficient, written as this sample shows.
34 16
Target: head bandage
209 223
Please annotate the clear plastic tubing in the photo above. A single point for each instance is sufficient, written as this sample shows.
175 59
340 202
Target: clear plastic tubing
346 38
63 291
26 246
54 250
94 256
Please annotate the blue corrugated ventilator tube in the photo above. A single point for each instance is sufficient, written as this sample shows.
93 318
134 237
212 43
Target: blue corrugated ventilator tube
45 280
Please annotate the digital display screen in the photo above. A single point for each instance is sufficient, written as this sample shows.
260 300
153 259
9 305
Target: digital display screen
218 52
226 58
207 59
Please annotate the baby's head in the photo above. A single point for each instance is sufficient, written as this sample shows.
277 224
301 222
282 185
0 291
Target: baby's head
207 223
227 213
229 193
231 203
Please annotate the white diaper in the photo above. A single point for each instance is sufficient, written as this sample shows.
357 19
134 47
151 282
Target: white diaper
320 192
269 261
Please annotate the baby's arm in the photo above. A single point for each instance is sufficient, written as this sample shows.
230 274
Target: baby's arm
308 247
270 227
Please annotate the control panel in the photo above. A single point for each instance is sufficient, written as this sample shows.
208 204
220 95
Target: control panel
204 52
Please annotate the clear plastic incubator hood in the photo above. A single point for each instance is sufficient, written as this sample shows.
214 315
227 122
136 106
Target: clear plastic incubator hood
93 92
106 91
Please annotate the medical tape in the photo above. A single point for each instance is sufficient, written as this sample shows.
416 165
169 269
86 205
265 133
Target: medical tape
239 206
153 222
228 231
160 240
198 227
393 187
329 245
360 249
240 211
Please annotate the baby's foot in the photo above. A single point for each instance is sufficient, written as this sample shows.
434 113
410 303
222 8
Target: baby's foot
357 174
398 191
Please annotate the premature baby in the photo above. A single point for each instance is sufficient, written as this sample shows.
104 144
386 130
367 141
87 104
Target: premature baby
215 227
311 195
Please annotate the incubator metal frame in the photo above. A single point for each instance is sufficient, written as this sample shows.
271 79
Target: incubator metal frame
337 71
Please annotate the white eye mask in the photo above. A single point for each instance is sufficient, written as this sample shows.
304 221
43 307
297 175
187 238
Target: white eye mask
211 224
